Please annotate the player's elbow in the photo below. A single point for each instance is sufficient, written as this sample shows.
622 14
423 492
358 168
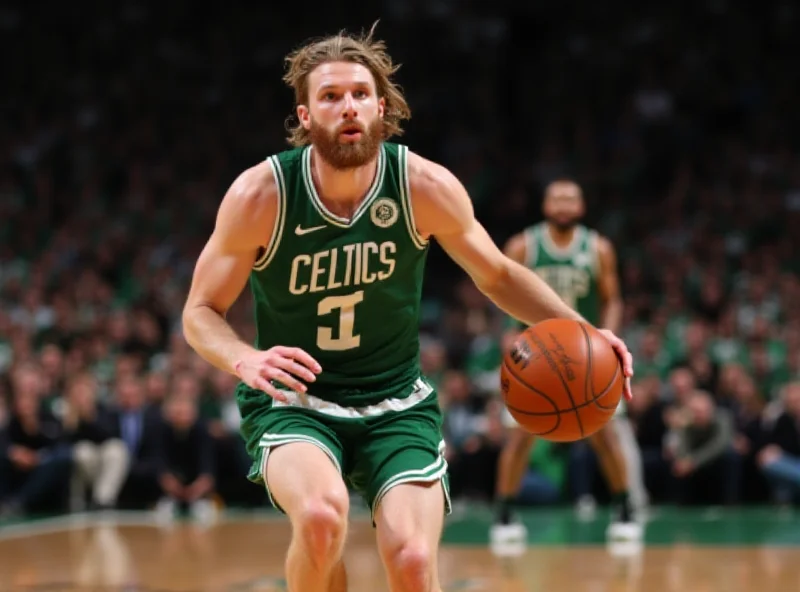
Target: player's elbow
192 319
188 317
496 280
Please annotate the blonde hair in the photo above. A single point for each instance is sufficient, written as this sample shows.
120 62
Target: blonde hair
365 50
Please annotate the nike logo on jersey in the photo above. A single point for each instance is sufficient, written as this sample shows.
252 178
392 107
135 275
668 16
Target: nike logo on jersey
299 231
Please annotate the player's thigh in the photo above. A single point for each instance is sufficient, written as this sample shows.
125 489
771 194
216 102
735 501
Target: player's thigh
300 461
409 519
405 447
304 482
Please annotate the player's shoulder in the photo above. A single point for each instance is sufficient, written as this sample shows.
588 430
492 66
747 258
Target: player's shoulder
428 177
602 242
441 204
252 199
531 232
601 245
289 158
517 245
254 186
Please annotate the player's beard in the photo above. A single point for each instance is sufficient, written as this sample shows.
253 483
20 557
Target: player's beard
563 225
347 155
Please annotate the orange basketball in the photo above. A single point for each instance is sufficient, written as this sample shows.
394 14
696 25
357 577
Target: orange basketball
561 380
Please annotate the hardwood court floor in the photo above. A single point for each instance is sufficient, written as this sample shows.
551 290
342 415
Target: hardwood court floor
245 554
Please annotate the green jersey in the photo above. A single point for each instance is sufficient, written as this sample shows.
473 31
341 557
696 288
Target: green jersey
572 271
347 291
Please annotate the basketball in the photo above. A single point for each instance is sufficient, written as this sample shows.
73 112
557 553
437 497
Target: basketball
561 380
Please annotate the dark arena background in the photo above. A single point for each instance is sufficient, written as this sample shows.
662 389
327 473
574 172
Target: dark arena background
125 122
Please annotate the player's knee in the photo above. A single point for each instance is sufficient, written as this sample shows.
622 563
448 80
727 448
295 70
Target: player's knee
322 524
412 565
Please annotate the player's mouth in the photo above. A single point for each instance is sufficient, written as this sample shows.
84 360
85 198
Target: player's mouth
351 133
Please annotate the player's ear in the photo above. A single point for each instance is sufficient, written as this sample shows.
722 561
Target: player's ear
581 205
381 107
304 116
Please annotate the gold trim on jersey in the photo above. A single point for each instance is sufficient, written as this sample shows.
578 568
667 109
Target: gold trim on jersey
405 194
280 217
330 217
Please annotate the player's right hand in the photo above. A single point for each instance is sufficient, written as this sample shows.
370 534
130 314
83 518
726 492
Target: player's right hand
286 365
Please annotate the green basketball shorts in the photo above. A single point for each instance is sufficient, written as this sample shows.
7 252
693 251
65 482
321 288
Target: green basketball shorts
398 440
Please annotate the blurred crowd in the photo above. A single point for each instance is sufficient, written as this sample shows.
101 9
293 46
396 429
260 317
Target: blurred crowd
123 129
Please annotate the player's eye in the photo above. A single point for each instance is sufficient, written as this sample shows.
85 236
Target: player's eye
329 96
360 94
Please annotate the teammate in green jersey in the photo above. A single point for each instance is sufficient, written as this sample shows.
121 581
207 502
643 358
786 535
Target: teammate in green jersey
580 265
332 237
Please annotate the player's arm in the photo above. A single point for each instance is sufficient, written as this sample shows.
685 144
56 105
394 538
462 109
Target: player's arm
610 292
243 225
244 222
443 209
516 249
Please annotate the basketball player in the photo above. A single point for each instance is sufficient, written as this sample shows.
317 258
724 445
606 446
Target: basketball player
581 267
332 236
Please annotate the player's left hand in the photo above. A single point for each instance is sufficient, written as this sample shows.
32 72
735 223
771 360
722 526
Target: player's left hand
625 357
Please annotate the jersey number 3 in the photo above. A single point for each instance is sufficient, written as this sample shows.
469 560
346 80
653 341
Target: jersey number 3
346 305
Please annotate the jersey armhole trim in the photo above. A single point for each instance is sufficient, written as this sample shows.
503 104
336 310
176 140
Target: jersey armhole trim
531 247
405 192
280 217
593 240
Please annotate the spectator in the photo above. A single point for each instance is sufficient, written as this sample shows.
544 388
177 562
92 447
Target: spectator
543 483
35 465
101 458
651 359
699 452
94 264
139 427
747 406
187 472
647 412
471 457
780 458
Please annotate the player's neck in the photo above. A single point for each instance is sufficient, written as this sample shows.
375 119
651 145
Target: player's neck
561 238
340 189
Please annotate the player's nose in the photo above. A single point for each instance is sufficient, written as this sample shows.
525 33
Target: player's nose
349 107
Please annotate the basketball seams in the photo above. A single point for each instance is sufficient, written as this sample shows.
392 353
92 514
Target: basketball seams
588 373
554 367
558 411
546 397
596 396
550 431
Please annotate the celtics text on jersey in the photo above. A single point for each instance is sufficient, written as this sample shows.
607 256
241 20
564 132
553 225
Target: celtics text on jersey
572 272
347 291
